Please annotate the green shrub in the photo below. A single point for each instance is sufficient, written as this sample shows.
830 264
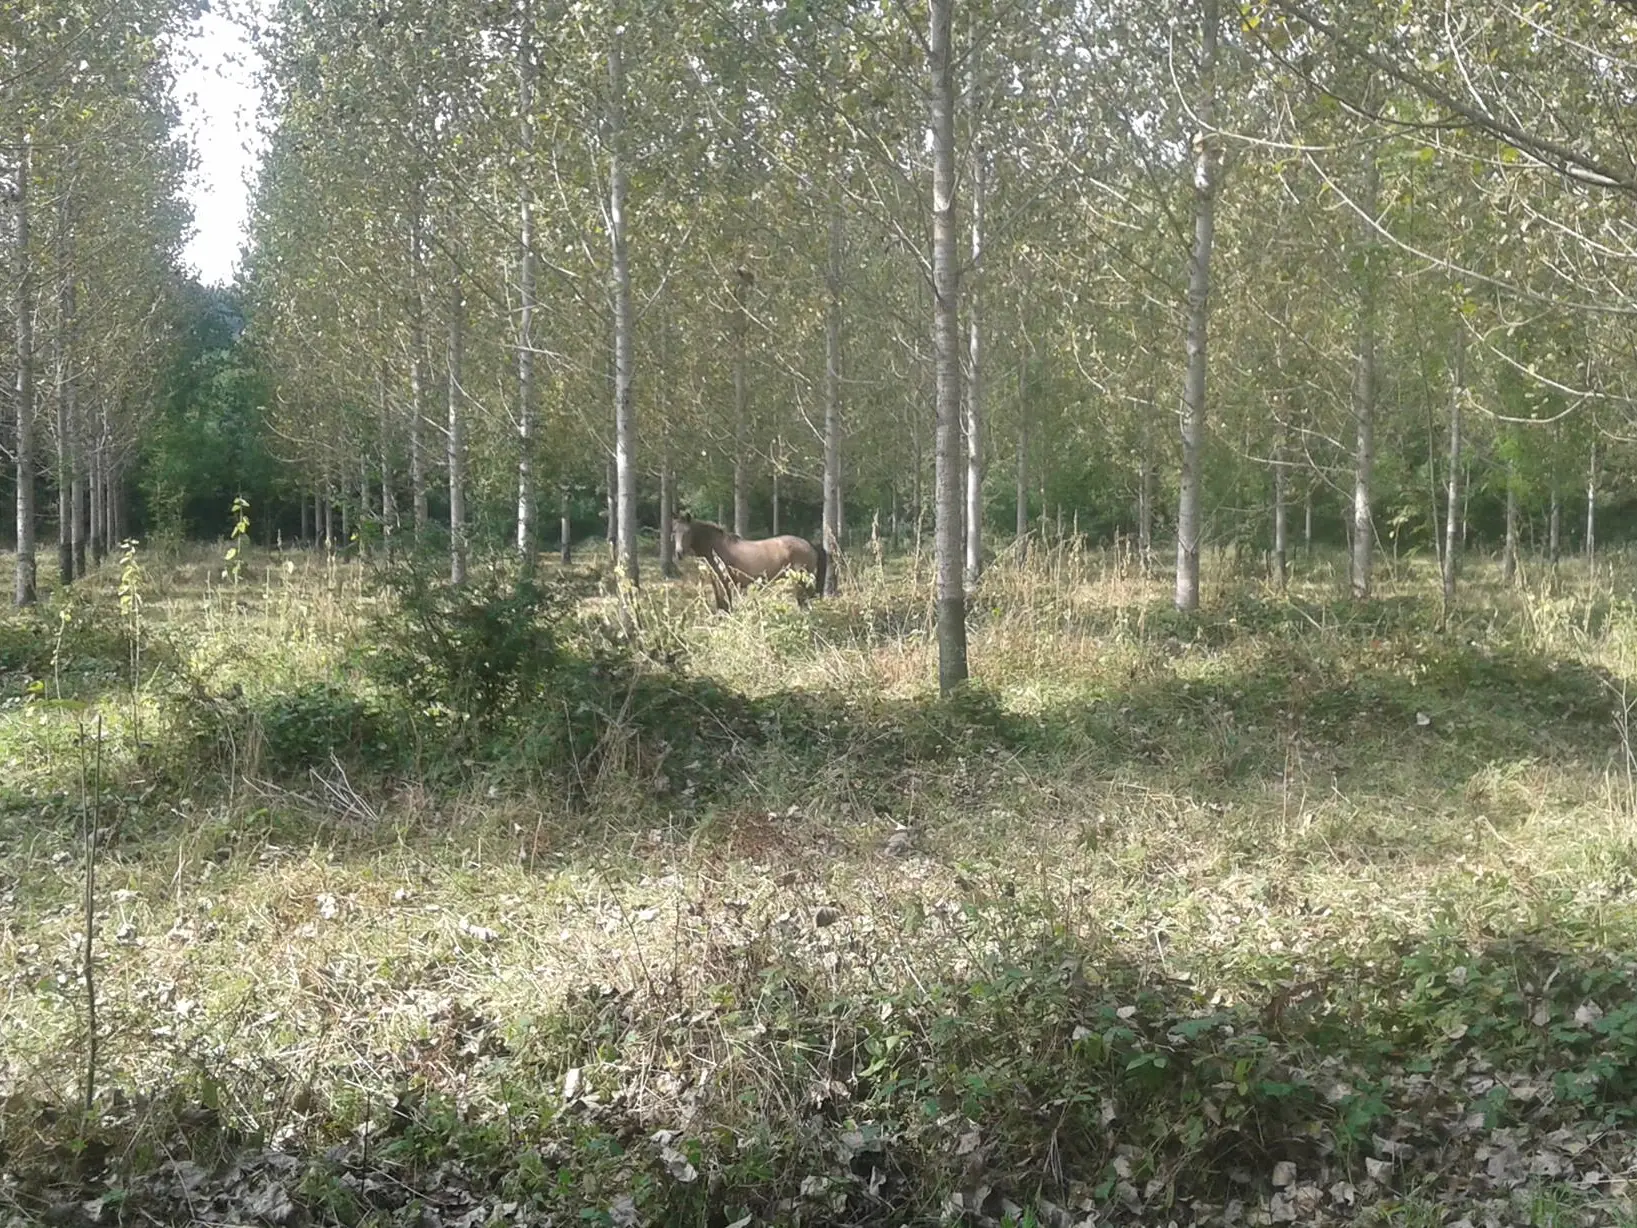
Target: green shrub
320 722
477 653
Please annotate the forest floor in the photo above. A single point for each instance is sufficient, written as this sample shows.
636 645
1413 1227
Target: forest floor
1300 910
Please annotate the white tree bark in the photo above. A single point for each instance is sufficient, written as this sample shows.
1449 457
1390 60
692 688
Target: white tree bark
1364 412
418 367
1190 486
1452 518
952 669
1591 508
25 576
456 438
1281 502
974 368
525 315
1022 526
625 423
832 390
389 500
70 491
741 402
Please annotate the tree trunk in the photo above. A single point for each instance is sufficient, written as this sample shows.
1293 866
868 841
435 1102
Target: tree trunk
1022 497
667 513
25 587
625 422
832 391
1190 486
565 528
1466 506
741 401
418 392
1364 408
1281 541
80 501
1591 509
1509 553
974 358
101 517
611 512
917 479
107 534
306 518
525 317
363 503
1307 522
1452 525
456 438
389 501
68 479
328 515
1554 527
946 333
1145 496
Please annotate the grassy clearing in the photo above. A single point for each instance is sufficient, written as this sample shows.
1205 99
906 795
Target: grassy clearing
1296 911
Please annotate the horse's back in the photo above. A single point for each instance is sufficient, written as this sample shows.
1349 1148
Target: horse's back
798 551
768 556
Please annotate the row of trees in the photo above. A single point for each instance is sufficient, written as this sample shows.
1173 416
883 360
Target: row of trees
955 263
91 222
1363 255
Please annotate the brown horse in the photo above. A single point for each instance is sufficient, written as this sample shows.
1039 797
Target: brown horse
734 561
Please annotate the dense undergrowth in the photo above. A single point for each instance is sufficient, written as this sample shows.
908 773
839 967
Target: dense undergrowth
510 905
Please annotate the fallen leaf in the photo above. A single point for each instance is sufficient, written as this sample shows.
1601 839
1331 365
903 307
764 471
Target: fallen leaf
271 1204
480 932
678 1165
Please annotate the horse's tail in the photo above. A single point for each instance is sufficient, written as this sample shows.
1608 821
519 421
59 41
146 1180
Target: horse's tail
822 571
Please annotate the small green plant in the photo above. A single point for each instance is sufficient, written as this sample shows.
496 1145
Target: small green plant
317 723
477 651
237 538
64 617
131 581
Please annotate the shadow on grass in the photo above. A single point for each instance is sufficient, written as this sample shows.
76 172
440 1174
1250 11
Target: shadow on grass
1049 1075
1258 695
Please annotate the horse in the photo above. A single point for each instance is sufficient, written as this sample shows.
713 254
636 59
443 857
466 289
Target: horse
734 561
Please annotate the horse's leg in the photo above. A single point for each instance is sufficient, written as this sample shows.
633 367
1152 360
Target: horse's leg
719 583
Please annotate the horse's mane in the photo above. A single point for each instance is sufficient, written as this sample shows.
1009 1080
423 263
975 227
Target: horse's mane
726 532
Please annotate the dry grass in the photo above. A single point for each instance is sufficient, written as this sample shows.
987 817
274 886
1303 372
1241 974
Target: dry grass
292 951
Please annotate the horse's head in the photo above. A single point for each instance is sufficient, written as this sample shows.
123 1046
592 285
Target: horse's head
687 534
